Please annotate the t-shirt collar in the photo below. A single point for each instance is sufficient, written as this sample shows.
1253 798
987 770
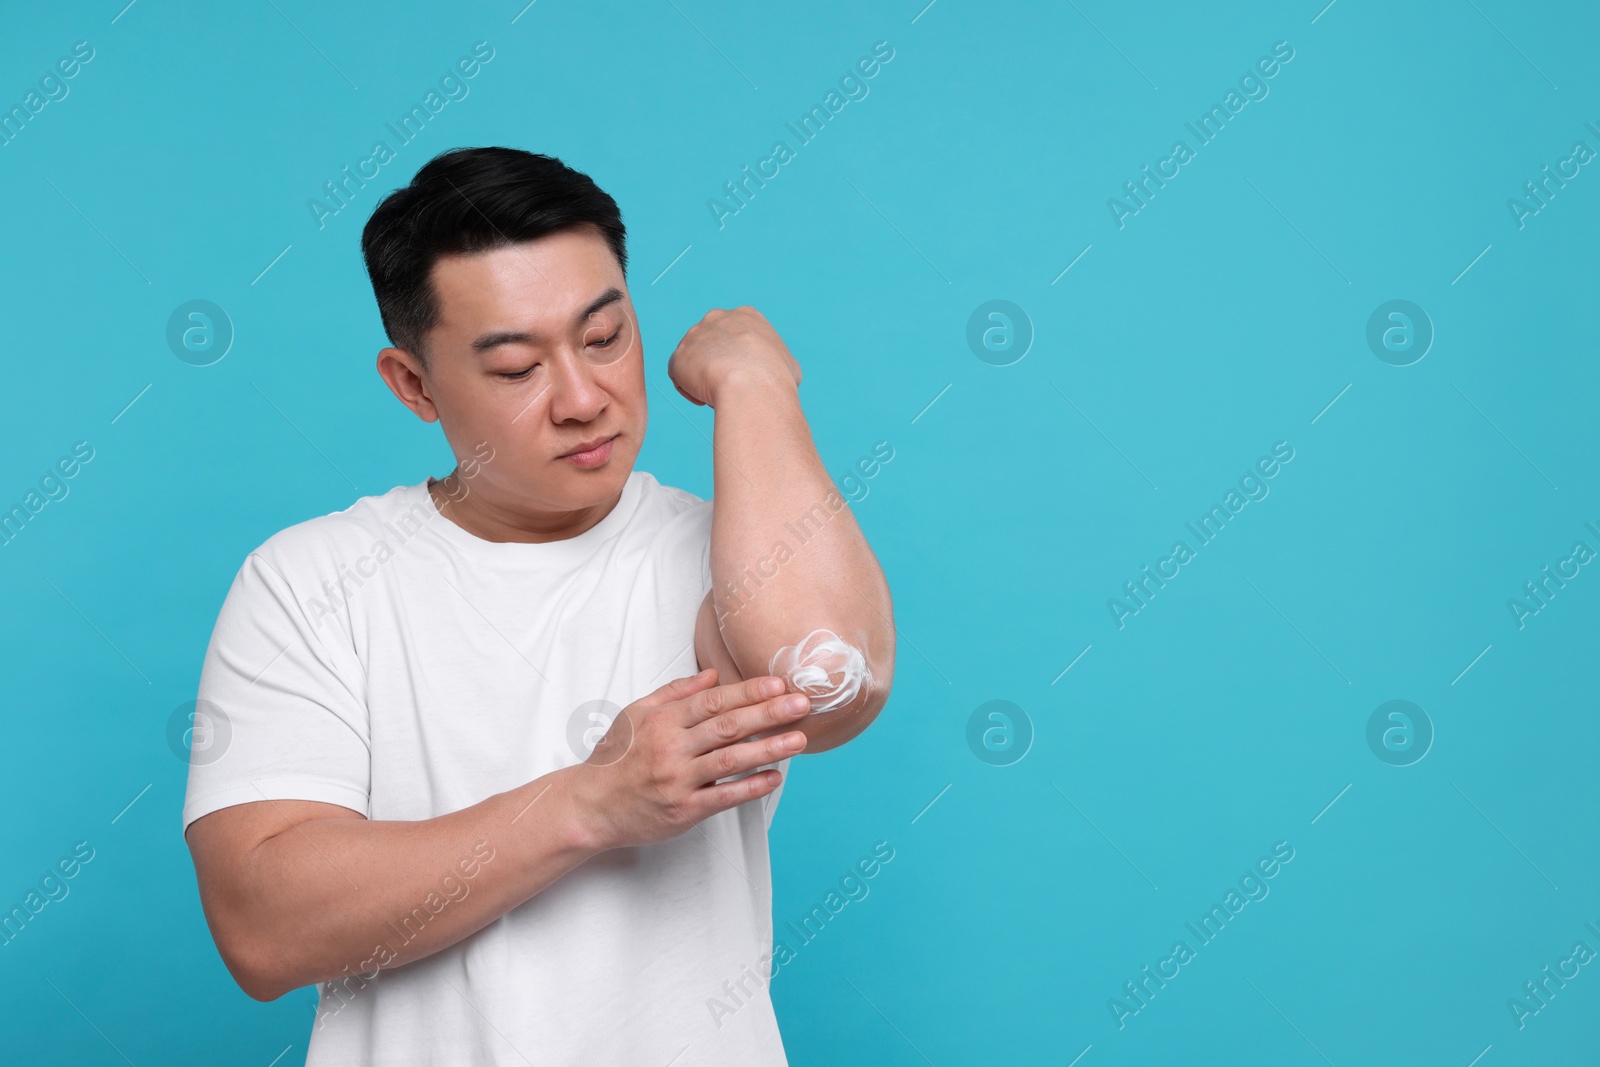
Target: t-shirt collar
571 548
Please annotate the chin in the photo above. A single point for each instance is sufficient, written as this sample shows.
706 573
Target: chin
583 488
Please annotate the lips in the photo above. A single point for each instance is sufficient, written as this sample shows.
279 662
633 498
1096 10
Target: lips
589 447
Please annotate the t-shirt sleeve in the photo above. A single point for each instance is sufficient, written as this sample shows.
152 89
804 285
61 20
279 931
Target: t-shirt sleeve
705 563
690 526
769 803
281 710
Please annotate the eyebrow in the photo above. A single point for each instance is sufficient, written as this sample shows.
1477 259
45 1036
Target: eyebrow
521 337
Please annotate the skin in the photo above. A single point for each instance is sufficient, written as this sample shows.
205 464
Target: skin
568 398
767 475
537 351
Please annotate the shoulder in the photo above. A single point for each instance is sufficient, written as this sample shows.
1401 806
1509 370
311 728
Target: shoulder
652 490
374 525
663 506
675 523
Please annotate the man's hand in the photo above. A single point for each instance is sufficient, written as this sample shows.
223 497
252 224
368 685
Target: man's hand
724 343
651 776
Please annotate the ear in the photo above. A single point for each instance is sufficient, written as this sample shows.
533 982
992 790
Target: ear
406 378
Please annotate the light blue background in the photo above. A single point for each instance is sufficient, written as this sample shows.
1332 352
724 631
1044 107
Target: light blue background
1224 317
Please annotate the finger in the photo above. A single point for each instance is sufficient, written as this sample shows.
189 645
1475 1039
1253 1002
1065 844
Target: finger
740 723
714 798
679 688
745 756
710 703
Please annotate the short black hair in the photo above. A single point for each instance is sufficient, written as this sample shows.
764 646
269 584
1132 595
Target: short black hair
472 200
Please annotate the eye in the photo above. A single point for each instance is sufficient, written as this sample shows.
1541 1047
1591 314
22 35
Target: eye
607 341
515 376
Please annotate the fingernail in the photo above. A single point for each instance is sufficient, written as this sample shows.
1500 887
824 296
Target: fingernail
773 686
794 741
797 703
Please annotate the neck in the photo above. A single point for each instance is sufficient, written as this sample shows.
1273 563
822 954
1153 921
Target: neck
471 507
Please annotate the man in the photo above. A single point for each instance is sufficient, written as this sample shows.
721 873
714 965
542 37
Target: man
462 772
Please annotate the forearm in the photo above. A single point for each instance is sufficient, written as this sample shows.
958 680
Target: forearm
339 897
787 556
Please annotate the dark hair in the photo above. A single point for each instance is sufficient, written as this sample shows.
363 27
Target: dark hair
472 200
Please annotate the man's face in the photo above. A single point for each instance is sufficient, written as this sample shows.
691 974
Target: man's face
537 352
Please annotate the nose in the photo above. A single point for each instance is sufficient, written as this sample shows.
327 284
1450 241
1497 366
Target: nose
575 395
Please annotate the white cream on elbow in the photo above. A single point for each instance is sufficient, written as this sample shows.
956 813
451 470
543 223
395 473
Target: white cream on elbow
824 667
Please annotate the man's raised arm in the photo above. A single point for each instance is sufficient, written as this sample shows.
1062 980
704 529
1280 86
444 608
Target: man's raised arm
796 590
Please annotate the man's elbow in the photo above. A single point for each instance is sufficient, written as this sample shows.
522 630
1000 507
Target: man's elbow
264 990
255 954
847 681
253 967
826 730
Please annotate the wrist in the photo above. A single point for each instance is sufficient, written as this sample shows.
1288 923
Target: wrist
574 815
754 382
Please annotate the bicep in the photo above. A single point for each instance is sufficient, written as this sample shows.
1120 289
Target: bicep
223 845
237 830
710 649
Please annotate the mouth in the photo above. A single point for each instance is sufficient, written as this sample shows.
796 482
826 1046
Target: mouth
592 452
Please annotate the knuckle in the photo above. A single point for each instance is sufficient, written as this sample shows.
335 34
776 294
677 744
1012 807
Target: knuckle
726 727
726 761
672 808
715 700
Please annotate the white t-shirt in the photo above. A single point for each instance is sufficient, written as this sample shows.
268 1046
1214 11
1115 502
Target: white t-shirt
384 659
